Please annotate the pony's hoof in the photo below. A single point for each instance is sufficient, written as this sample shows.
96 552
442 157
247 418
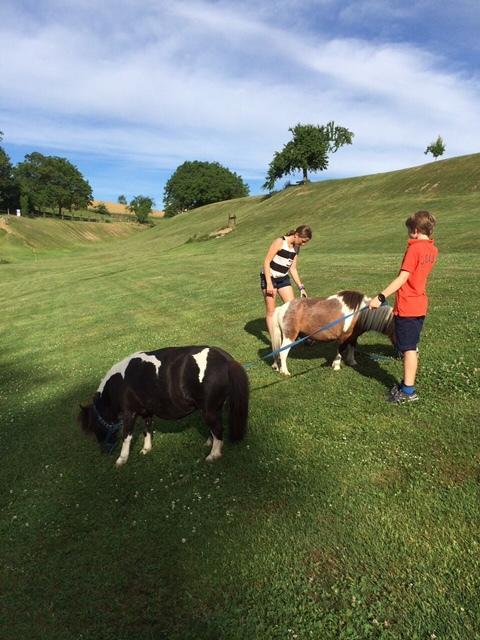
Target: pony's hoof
213 456
208 442
119 462
286 372
145 451
275 366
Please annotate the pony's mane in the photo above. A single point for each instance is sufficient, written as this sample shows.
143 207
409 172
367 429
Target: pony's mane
380 320
353 299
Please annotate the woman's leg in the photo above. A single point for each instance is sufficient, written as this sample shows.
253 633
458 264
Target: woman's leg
269 310
286 294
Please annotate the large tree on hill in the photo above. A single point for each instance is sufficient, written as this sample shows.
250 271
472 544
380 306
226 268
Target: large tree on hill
307 151
196 183
436 148
52 182
8 186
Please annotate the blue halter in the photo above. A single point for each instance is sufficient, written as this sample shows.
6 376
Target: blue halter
112 428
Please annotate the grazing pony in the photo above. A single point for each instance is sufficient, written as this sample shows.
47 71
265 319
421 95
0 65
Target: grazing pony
307 315
169 383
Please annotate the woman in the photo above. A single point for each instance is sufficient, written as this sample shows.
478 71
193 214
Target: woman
282 259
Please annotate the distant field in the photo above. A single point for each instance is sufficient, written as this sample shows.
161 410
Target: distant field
115 207
339 517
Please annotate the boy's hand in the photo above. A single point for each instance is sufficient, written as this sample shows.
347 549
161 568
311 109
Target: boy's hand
303 293
374 303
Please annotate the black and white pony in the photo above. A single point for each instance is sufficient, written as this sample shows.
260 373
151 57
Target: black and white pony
169 383
307 315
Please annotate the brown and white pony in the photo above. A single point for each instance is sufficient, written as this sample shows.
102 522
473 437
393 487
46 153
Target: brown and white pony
307 315
169 383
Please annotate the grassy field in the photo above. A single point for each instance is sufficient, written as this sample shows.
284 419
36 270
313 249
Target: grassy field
339 517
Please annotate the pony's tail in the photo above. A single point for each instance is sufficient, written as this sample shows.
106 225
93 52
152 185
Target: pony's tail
238 395
277 335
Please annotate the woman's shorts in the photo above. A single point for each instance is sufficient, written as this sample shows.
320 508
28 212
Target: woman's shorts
278 283
407 332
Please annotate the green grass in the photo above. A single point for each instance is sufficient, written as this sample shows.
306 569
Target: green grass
338 517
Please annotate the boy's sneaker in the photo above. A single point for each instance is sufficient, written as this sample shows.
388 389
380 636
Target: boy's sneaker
400 397
394 390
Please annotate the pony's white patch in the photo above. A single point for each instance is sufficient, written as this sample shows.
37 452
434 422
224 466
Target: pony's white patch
216 451
125 452
201 360
283 357
346 311
336 364
121 367
150 358
147 444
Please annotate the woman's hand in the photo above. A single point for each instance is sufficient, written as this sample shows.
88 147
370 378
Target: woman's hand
270 291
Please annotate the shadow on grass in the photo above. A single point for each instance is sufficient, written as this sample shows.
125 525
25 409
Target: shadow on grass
137 551
366 365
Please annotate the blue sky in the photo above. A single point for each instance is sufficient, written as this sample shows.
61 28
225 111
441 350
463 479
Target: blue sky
129 89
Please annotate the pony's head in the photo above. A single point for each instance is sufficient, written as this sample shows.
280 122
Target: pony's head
93 424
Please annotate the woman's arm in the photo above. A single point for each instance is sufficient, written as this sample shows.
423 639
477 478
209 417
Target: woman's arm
294 272
296 277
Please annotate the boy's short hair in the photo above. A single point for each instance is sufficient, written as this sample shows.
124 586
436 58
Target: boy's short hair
423 221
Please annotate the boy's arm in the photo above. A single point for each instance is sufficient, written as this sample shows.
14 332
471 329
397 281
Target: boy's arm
391 288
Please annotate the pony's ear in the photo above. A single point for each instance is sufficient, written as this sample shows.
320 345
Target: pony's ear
84 418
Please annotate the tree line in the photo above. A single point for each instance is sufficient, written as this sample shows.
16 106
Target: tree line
50 182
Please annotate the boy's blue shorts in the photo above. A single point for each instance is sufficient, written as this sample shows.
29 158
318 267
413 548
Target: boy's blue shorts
278 283
407 332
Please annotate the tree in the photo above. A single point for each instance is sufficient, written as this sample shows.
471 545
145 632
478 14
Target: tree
101 208
307 151
436 148
8 187
122 200
52 182
141 207
197 183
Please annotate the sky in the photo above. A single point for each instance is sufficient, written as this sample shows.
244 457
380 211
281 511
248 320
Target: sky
128 90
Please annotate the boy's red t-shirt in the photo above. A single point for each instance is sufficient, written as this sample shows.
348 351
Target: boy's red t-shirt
411 299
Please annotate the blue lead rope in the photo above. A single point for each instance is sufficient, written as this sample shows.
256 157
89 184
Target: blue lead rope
248 365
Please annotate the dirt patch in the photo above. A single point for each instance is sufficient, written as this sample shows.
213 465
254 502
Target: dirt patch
220 233
454 474
4 226
393 478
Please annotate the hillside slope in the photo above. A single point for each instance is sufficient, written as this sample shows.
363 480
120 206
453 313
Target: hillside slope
368 210
22 238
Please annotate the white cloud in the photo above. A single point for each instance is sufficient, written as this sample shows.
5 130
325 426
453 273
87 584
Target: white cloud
159 83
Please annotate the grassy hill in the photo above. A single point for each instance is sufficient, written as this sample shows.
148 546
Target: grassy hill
23 238
339 517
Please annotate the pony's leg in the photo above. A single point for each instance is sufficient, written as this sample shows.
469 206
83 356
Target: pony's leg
336 364
345 352
213 418
147 434
349 355
283 356
128 424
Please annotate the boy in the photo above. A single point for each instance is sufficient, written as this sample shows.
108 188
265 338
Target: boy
411 300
